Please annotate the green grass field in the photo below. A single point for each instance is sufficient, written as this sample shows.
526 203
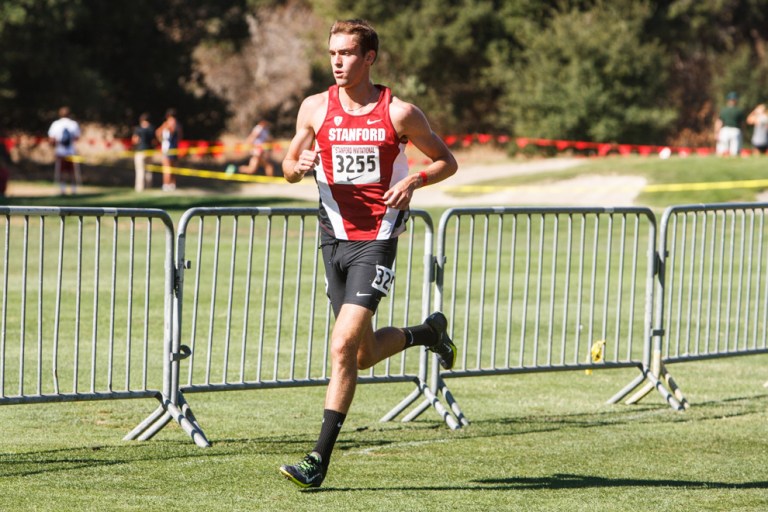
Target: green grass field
536 441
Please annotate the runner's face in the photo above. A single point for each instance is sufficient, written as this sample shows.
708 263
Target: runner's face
347 61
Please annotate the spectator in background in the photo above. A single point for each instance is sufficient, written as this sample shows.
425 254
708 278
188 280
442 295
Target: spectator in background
728 127
5 166
169 134
143 140
260 139
63 133
759 119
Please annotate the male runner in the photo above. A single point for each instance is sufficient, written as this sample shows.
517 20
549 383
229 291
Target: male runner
353 138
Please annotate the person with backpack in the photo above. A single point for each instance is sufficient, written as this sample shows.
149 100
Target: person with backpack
63 134
143 140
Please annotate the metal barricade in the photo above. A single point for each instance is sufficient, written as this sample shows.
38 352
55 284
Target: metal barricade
252 303
712 298
93 303
86 297
546 289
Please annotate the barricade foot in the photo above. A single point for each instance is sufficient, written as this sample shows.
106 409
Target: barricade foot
161 416
189 425
418 411
144 425
627 389
156 427
187 412
669 397
674 387
649 382
429 400
440 409
453 404
641 393
404 404
454 418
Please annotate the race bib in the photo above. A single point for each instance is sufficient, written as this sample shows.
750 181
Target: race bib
356 165
384 279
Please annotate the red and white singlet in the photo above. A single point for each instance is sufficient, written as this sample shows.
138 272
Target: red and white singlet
361 157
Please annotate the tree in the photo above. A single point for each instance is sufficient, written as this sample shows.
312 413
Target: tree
651 71
446 56
715 46
269 73
590 75
107 60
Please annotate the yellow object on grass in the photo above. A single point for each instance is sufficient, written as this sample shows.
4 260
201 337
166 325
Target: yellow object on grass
596 353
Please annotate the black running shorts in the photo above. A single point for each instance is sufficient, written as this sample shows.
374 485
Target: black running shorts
358 272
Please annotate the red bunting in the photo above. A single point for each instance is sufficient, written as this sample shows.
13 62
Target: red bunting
600 148
201 147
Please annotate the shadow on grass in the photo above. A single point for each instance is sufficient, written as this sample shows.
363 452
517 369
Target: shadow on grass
618 415
68 459
370 438
162 202
567 481
559 481
542 423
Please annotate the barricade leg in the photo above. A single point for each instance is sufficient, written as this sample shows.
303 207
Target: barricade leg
188 424
627 389
649 382
453 404
650 369
404 404
430 399
144 425
455 419
418 411
164 413
673 386
156 427
187 411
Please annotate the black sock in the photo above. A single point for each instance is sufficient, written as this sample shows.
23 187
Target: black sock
332 422
420 335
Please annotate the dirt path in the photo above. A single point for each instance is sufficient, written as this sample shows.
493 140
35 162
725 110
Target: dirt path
469 183
579 191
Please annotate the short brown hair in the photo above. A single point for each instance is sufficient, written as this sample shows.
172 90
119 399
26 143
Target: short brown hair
366 35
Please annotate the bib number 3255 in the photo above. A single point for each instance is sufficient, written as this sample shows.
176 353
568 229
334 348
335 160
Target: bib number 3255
356 165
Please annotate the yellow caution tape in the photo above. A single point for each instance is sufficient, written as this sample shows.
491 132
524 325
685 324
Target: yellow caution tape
716 185
199 173
219 175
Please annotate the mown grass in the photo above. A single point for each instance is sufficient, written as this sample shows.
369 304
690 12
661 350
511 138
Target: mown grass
535 442
121 197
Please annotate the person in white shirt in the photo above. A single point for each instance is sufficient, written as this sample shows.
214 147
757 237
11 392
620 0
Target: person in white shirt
759 119
63 133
